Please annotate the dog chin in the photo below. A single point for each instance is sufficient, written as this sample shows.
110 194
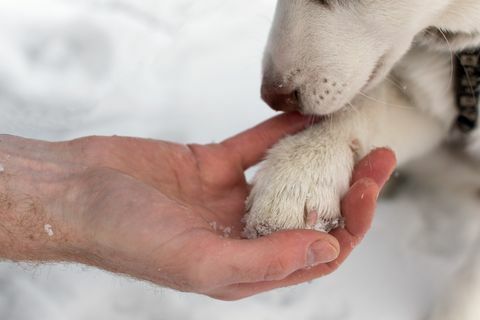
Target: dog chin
320 113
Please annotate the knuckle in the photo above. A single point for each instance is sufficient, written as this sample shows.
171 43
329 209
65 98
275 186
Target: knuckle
277 269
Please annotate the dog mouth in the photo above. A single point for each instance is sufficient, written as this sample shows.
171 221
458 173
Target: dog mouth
317 101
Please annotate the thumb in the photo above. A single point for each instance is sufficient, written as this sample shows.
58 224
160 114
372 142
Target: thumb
273 257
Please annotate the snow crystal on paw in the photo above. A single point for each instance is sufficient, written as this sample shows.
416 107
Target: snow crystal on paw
227 232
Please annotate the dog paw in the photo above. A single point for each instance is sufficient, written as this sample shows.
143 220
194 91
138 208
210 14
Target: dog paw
299 188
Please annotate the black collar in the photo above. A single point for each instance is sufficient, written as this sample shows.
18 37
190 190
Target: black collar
467 89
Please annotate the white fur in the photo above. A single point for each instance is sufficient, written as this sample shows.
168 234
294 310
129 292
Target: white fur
382 72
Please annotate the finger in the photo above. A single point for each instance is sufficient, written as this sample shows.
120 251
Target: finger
378 165
268 258
358 206
252 144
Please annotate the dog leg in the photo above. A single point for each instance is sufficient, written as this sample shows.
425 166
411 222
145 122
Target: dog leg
301 182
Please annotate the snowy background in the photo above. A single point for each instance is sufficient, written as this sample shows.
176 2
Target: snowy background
190 71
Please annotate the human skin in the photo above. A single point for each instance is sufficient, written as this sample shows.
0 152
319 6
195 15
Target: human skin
168 213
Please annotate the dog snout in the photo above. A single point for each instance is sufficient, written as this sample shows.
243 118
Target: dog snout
280 97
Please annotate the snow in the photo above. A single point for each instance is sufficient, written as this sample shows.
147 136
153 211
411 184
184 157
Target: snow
48 230
2 169
165 69
225 230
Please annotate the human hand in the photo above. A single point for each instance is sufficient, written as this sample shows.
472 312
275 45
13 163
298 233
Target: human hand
171 214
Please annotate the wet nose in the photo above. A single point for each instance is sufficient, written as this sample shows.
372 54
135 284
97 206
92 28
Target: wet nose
280 97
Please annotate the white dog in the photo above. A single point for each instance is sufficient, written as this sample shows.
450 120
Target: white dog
381 72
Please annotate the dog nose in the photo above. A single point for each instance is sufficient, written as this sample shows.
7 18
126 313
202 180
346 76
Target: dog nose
280 97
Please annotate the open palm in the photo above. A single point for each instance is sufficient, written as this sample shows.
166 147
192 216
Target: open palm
172 214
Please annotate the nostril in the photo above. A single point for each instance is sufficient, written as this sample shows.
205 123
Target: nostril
296 96
281 98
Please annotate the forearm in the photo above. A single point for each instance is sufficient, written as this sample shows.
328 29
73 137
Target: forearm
31 226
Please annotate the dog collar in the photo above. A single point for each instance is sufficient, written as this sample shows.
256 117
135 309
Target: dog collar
467 89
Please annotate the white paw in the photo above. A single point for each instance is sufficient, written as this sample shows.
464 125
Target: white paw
299 186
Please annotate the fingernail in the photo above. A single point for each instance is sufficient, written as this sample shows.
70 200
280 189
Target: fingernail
321 252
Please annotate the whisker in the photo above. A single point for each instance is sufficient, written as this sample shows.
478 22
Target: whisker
384 102
452 58
353 107
396 84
